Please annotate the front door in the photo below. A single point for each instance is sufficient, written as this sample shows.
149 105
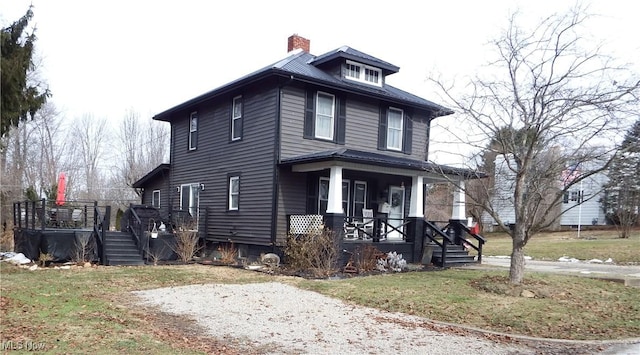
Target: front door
396 211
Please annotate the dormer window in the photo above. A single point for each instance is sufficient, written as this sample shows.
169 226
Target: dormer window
363 73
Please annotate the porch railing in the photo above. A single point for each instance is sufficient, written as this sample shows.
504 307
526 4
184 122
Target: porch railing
376 229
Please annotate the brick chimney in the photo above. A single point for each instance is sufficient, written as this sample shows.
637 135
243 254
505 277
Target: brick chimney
296 42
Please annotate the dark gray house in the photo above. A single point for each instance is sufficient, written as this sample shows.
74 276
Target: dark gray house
305 140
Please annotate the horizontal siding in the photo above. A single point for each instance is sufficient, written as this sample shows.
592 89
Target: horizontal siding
361 127
216 157
161 184
292 199
591 209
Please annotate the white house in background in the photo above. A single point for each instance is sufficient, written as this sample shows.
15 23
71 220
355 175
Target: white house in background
587 213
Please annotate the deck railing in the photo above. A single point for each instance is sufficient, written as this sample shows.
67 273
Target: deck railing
42 214
135 228
100 228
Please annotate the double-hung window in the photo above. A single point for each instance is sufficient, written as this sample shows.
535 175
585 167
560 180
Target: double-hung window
234 193
155 199
325 108
394 129
236 118
193 131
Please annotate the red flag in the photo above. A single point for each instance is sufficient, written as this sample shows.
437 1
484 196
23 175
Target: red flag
61 187
570 174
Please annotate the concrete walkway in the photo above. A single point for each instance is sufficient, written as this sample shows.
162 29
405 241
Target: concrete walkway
627 274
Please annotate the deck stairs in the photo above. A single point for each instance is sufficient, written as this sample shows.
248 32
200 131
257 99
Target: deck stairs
121 249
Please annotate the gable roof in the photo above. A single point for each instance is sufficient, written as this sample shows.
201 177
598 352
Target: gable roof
159 170
302 66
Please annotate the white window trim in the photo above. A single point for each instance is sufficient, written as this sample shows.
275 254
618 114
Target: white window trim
333 115
196 212
231 193
153 198
355 183
399 149
193 115
234 118
361 73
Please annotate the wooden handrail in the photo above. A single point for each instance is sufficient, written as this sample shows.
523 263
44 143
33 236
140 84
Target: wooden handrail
446 239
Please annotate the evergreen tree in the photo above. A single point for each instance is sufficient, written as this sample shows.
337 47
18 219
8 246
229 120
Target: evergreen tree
20 98
622 192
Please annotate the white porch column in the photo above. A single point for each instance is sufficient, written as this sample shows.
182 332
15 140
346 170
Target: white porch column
458 212
334 205
416 208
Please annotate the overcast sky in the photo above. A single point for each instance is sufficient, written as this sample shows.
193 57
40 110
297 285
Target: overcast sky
105 57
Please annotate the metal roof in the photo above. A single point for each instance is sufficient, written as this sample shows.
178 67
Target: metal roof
300 66
356 156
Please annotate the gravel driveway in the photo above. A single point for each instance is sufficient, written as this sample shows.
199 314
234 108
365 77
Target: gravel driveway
279 318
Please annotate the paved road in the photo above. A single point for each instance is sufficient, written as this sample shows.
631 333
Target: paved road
627 272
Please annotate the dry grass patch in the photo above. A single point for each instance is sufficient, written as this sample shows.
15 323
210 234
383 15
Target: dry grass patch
563 306
89 310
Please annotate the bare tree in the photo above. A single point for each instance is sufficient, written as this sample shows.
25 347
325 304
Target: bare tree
89 137
550 100
143 146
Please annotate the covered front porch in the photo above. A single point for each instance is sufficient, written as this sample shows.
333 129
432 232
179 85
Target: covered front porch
372 198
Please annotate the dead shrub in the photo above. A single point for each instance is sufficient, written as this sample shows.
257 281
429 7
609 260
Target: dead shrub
228 253
366 258
187 244
155 255
6 241
44 258
83 250
315 252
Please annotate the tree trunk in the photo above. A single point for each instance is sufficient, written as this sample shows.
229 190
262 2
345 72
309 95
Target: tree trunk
516 271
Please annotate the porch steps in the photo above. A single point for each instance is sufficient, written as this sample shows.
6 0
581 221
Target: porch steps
120 249
456 255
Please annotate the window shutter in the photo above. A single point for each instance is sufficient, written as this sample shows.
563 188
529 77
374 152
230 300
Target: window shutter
407 140
341 121
382 130
309 115
241 119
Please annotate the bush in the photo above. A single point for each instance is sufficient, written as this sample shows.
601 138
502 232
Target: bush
186 244
315 252
228 253
363 259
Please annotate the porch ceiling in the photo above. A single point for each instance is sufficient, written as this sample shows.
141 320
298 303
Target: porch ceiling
374 162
